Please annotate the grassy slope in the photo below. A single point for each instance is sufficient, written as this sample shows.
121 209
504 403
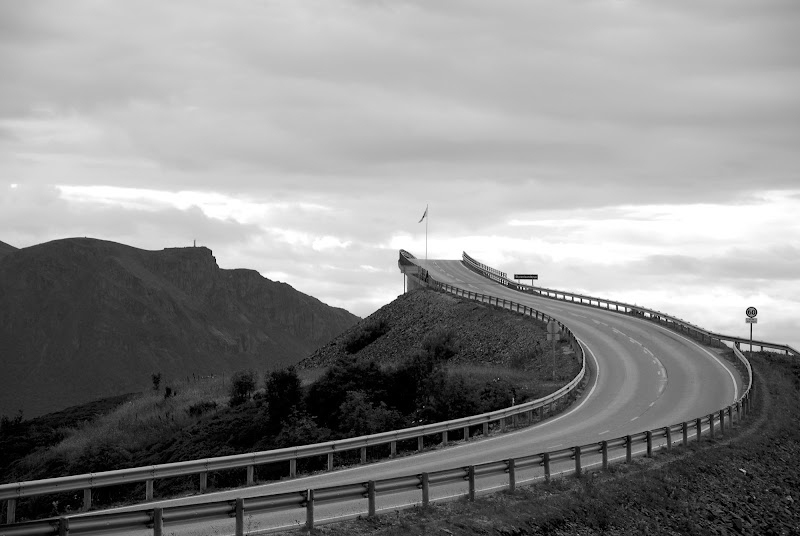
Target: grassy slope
745 483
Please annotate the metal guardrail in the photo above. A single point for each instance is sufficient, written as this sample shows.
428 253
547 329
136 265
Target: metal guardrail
544 466
708 337
545 406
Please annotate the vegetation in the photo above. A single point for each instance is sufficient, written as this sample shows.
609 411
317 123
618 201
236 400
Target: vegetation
211 417
364 335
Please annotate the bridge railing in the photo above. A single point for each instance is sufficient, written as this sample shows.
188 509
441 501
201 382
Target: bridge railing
525 413
708 337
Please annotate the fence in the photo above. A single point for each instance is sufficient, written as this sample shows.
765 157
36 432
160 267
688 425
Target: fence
522 413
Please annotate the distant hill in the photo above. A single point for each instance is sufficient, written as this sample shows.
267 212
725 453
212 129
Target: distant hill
6 249
83 318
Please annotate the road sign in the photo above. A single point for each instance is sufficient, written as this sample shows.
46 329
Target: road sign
751 320
526 276
751 312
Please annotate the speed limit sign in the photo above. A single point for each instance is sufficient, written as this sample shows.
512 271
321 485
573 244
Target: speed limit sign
751 312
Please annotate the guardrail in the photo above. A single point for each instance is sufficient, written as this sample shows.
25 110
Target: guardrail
545 407
471 481
708 337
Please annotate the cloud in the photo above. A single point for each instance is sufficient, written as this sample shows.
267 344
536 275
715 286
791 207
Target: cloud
609 145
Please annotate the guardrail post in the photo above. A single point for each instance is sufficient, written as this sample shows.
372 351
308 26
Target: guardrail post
148 490
363 455
604 451
685 430
471 477
444 437
512 474
203 481
158 521
11 513
466 433
330 461
393 449
738 412
426 496
371 498
649 438
251 475
628 449
63 526
698 424
546 462
419 443
668 433
722 422
87 499
711 424
310 509
239 516
577 451
486 429
293 467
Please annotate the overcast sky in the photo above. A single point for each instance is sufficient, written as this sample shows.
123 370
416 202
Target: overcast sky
644 151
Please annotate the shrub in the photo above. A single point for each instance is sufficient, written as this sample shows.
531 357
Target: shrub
243 383
364 336
156 381
198 409
284 394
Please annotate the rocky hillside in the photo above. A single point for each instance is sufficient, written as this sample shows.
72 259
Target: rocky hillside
84 318
485 334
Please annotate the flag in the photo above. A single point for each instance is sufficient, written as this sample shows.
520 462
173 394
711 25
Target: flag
423 215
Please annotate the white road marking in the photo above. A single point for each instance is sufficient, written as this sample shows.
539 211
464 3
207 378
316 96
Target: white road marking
653 403
715 358
634 341
648 352
604 432
634 419
576 314
554 446
618 332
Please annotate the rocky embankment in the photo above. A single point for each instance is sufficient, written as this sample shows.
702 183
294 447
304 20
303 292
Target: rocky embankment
486 335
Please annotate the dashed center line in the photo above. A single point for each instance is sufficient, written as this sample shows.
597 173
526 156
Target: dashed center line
604 432
634 418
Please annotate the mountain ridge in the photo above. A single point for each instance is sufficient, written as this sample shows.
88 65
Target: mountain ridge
82 318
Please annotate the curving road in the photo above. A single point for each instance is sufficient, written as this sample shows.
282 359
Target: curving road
647 377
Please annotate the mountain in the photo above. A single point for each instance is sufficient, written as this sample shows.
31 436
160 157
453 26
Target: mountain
5 249
83 318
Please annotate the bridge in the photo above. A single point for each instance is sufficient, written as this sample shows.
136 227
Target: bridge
647 381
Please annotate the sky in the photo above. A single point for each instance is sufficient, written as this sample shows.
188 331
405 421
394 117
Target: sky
640 151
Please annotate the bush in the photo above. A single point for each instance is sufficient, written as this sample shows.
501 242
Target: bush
284 394
364 336
198 409
243 383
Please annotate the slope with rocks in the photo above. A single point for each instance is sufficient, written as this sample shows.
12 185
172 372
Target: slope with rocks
486 335
84 318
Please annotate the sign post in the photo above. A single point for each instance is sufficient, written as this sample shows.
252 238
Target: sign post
553 335
751 319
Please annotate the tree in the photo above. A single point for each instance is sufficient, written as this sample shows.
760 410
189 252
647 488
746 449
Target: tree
284 395
156 380
243 383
